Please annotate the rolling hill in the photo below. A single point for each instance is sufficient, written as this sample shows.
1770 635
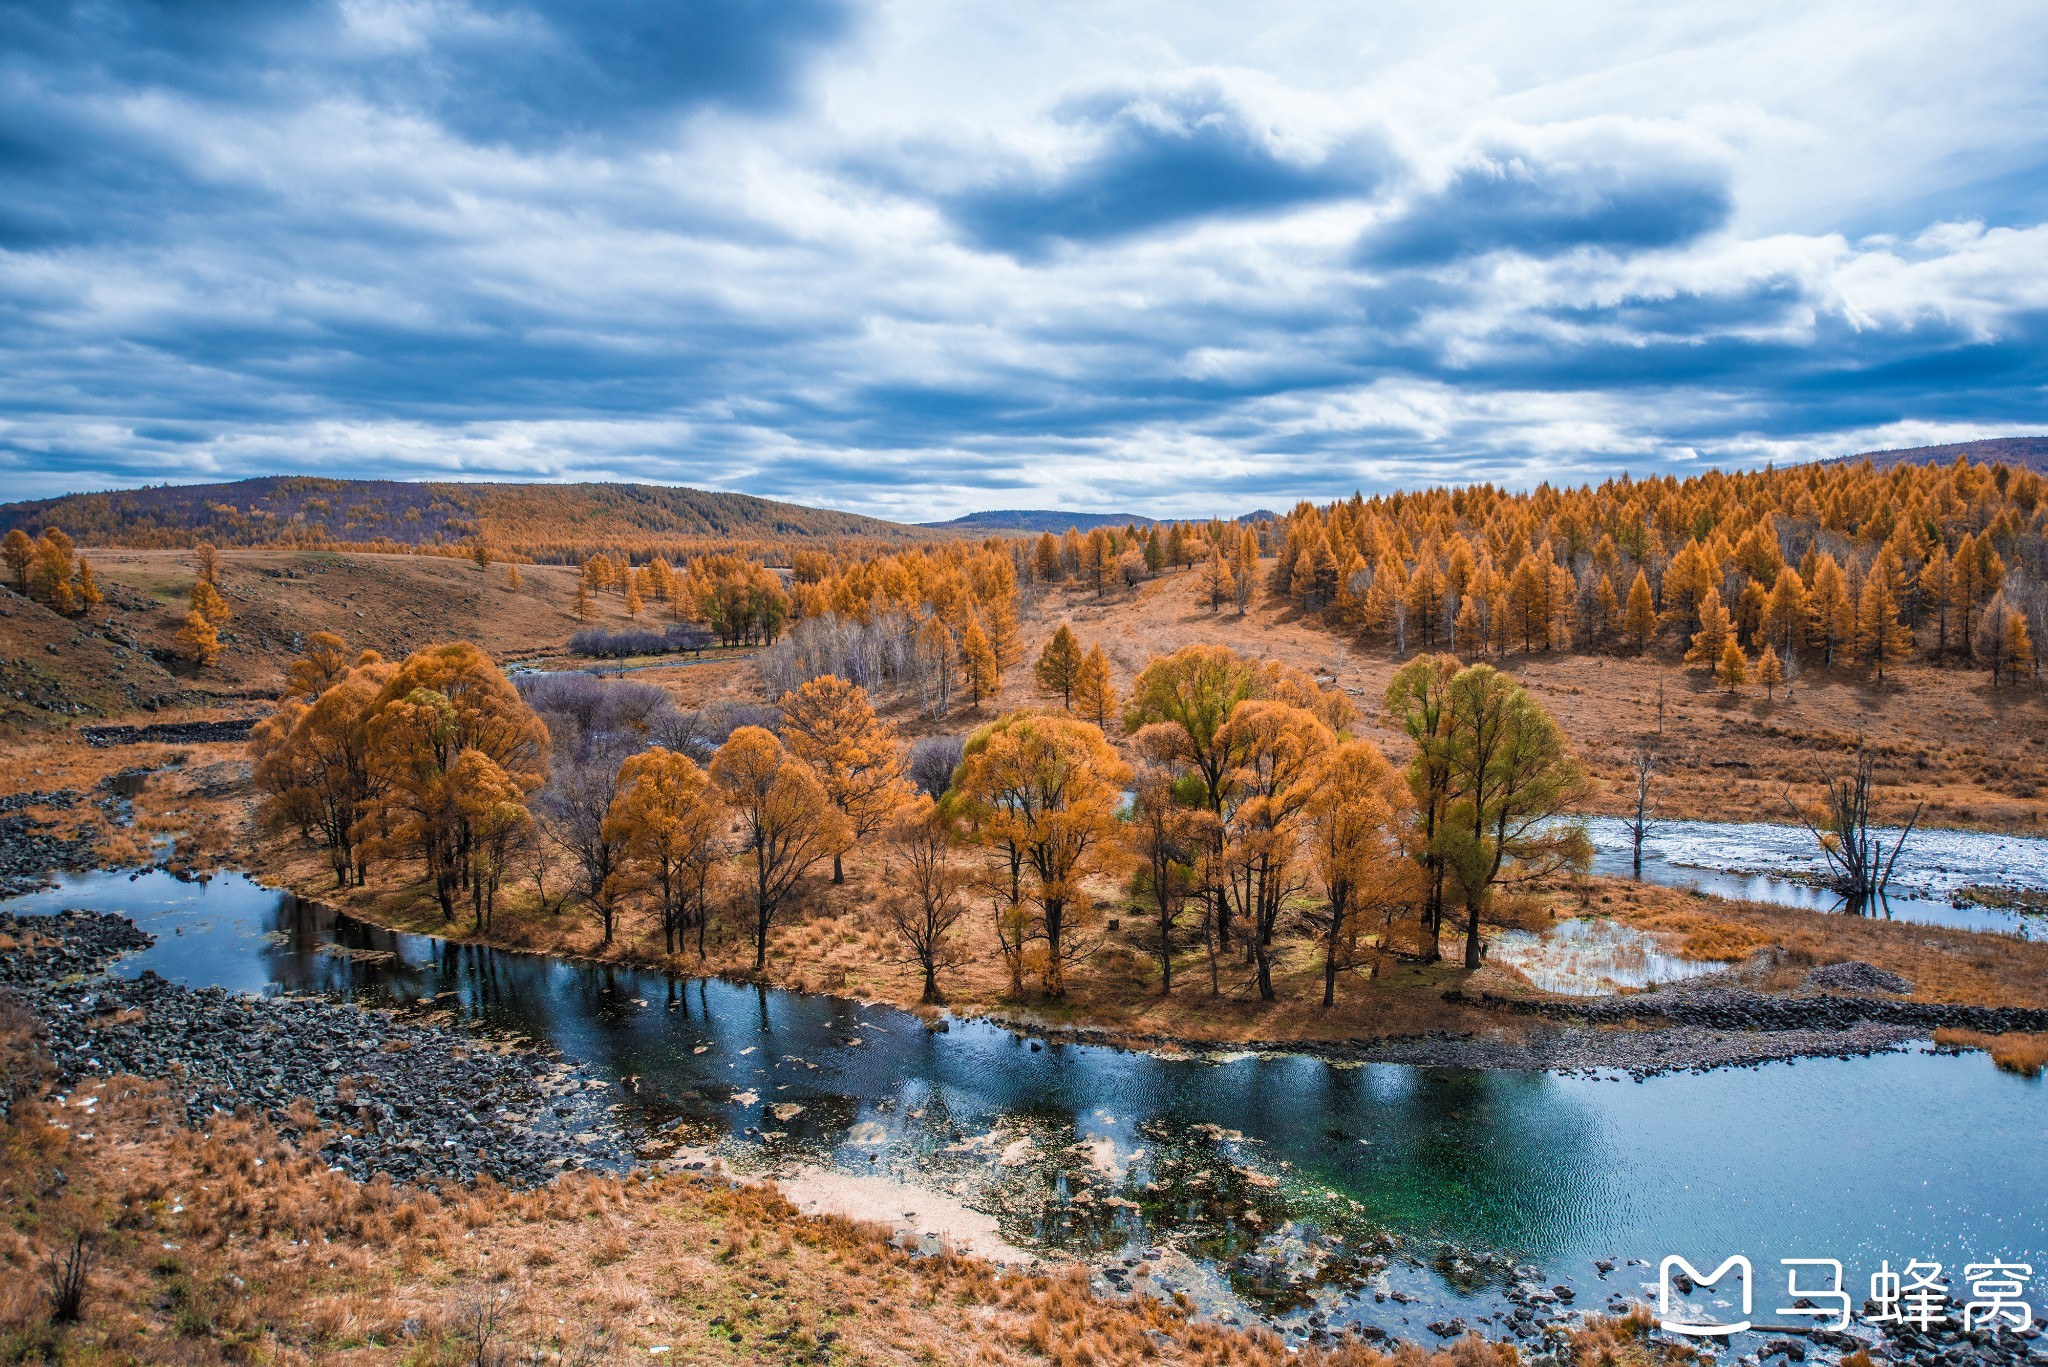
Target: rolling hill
2028 453
299 510
1035 520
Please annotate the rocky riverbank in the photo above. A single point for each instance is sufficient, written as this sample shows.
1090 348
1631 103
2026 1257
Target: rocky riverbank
171 732
1728 1008
29 850
418 1101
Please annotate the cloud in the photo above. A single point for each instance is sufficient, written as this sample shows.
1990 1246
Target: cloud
526 73
449 238
1546 192
1149 161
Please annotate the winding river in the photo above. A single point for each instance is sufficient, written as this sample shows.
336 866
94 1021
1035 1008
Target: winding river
1403 1190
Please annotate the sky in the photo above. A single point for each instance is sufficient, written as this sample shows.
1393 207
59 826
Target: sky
915 258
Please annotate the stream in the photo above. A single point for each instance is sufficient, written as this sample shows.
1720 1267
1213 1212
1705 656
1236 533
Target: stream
1261 1185
1761 862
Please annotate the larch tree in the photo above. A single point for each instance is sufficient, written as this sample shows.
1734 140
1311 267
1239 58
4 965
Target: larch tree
979 667
1045 559
1359 839
1714 633
670 822
1094 698
1639 614
512 580
208 561
197 640
1244 569
1044 790
1217 584
1785 612
206 600
927 898
1770 671
787 824
1881 638
1831 617
1732 670
831 726
1513 777
19 552
1059 666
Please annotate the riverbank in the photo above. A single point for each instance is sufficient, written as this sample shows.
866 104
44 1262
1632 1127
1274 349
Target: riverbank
380 1094
257 1222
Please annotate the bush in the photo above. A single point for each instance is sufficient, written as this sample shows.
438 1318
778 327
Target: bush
932 762
599 643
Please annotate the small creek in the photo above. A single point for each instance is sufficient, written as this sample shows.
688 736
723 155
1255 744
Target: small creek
1761 862
1258 1184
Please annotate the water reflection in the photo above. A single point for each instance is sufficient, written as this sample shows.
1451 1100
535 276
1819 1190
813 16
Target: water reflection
1274 1180
1759 862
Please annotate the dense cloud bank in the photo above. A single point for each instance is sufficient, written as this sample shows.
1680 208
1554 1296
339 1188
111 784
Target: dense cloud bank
912 261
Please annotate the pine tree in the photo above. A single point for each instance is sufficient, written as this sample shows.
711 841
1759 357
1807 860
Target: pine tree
1770 671
1059 666
1095 697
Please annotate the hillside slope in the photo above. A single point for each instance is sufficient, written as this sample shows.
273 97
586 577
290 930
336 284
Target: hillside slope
1036 520
2028 453
544 519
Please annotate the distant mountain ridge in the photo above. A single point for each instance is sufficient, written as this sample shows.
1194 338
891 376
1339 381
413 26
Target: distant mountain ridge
304 509
1036 520
2029 453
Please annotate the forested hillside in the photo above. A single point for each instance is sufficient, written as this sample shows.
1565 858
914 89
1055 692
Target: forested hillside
535 521
2023 453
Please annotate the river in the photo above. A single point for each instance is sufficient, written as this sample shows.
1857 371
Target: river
1230 1175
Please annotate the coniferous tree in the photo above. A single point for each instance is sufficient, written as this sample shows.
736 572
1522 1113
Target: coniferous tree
1059 666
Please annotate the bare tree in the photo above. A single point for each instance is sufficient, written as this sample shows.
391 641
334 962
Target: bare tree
67 1277
927 903
1641 819
1858 864
475 1324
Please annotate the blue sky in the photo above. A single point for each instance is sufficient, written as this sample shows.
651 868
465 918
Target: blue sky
915 258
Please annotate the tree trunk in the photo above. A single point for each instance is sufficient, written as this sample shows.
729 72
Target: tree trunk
838 873
1471 933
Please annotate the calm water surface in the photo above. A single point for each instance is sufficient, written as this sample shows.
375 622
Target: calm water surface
1241 1168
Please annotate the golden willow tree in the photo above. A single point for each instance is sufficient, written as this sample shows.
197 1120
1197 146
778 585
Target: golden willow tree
1039 793
787 823
669 821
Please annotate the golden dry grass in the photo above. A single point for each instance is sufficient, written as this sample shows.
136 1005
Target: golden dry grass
2024 1054
232 1246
